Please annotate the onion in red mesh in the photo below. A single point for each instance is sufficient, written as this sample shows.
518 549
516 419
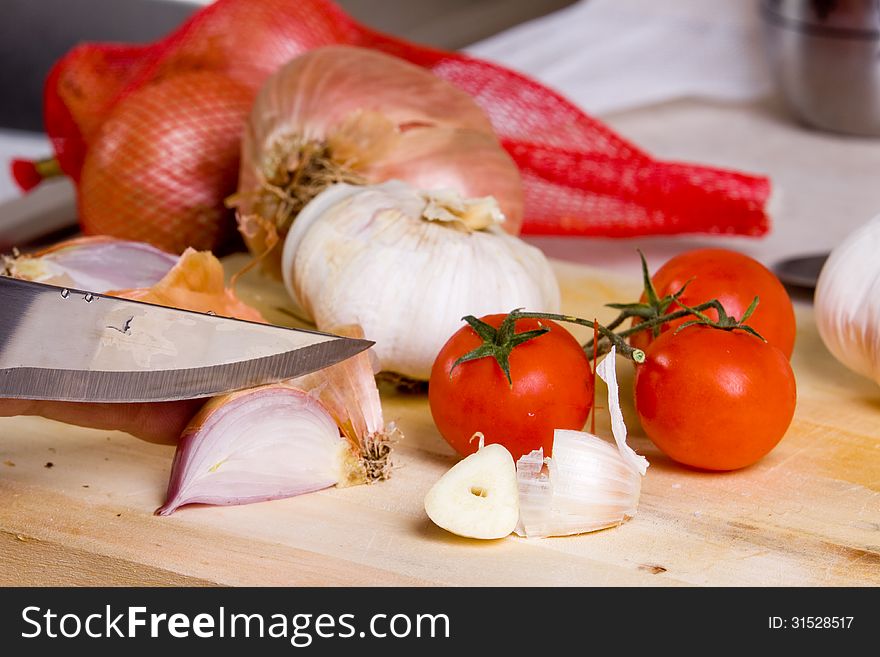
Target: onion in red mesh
344 114
160 165
579 177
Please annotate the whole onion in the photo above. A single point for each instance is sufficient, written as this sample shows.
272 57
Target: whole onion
159 167
345 114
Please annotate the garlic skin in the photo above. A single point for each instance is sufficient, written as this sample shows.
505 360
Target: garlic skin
585 487
847 301
407 265
588 485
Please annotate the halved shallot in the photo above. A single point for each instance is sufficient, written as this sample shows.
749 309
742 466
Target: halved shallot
95 264
261 444
324 429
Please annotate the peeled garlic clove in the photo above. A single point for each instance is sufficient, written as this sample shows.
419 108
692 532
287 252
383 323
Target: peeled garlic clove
379 257
96 264
477 497
588 485
847 301
260 444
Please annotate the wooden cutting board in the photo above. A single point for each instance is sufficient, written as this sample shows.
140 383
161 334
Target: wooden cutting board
808 514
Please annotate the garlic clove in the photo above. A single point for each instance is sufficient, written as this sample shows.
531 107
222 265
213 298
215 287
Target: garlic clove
477 497
312 212
585 487
589 484
260 444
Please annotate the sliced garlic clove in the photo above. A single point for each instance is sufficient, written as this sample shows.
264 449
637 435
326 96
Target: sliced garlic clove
477 497
260 444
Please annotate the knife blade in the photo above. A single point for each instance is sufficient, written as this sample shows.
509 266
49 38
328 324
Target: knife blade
74 345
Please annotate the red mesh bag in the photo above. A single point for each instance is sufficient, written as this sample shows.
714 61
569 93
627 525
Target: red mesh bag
580 177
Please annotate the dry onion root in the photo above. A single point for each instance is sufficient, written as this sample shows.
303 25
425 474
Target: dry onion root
353 115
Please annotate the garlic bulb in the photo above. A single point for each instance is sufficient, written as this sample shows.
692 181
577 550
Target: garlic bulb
588 485
407 265
356 115
847 301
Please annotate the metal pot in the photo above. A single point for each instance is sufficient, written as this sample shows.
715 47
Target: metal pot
826 58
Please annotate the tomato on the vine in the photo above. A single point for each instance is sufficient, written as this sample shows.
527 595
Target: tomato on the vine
550 387
714 399
735 280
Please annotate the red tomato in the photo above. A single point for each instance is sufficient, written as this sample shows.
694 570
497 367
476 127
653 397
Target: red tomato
713 399
552 389
735 280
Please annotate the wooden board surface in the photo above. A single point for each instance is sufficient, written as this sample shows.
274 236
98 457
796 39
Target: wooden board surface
808 514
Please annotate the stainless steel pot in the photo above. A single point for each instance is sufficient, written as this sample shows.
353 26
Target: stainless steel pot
826 58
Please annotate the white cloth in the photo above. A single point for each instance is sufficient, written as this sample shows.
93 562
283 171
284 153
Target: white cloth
610 55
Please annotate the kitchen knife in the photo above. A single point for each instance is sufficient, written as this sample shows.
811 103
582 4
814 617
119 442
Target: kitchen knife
73 345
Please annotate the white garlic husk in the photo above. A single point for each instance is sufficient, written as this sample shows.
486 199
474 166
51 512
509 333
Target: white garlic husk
407 265
847 301
588 484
